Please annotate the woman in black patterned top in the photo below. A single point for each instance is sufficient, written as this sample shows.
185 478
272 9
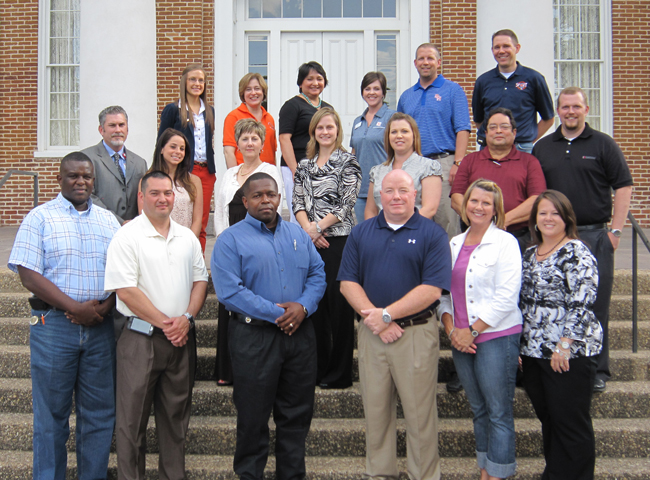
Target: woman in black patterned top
326 187
561 336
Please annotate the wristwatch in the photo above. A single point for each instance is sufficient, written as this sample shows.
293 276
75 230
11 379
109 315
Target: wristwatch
475 333
565 345
318 229
616 232
386 316
190 318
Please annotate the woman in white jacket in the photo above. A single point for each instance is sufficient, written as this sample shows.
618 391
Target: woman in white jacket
484 323
229 209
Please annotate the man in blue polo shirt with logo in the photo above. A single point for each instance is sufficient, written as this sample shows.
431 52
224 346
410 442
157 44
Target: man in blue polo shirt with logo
440 108
395 267
520 89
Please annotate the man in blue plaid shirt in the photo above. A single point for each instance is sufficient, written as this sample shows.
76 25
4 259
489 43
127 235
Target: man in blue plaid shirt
60 254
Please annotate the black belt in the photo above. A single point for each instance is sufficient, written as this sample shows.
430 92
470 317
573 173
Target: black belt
595 226
417 319
38 304
251 321
201 164
436 156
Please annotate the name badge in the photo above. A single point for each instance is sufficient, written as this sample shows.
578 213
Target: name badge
357 125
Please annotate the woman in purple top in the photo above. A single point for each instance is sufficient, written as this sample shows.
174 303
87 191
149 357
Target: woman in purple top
484 323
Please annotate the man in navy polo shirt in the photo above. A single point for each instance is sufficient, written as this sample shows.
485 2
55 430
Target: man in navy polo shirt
520 89
395 267
440 108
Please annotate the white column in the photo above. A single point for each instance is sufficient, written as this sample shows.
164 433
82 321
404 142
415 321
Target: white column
118 67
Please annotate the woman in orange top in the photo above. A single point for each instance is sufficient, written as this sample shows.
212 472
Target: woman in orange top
252 91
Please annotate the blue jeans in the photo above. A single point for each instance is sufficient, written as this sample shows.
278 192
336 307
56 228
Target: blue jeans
526 147
359 208
488 377
67 358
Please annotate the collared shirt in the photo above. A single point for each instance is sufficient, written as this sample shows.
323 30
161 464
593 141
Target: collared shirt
332 188
518 174
524 93
441 111
254 269
66 246
270 142
164 269
585 169
390 263
199 133
367 140
122 154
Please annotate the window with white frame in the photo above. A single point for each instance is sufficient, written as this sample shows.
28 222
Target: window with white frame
322 8
579 52
61 80
258 57
387 64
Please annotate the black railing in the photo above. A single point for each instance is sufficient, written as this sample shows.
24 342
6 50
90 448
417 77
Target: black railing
636 232
23 172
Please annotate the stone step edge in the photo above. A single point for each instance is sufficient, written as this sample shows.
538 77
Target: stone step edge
18 466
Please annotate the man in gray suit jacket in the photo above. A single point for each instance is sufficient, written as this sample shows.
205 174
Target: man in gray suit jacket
117 170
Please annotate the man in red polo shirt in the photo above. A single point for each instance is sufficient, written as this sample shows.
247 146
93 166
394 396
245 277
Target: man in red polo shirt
518 174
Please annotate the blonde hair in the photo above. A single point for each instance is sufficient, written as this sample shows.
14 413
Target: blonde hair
312 146
186 116
499 218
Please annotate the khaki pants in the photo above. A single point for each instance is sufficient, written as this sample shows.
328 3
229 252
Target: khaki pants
446 217
409 367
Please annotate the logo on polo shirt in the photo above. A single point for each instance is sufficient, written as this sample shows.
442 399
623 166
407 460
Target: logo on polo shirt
521 85
438 97
411 240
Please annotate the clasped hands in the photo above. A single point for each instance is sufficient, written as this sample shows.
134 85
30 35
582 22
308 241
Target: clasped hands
317 238
292 317
89 313
388 332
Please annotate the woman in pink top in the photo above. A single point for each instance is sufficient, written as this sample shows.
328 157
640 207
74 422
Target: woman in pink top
483 321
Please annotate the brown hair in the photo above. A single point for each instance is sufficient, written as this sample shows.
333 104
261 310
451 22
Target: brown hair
416 136
563 206
489 186
185 114
312 146
246 79
506 32
372 77
249 125
182 175
573 91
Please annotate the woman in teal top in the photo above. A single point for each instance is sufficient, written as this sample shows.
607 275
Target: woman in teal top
367 140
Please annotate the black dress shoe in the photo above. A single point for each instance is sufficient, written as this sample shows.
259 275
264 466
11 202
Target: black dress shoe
454 385
600 385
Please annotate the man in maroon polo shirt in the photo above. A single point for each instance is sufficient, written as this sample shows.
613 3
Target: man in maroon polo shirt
518 174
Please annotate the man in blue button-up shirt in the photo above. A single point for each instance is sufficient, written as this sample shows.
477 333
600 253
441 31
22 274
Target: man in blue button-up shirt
269 274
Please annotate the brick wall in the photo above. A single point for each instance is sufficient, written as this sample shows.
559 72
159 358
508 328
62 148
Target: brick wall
631 71
18 90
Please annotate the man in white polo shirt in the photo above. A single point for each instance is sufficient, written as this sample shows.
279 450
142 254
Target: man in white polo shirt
156 267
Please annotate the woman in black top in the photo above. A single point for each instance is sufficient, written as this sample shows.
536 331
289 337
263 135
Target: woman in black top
326 187
295 116
192 116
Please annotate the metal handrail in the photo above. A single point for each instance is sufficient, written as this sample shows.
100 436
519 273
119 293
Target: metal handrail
23 172
636 232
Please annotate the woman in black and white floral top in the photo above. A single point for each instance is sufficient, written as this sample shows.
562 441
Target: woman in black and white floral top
561 336
326 186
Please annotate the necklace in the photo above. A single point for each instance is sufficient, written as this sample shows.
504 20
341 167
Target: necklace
320 101
554 247
249 172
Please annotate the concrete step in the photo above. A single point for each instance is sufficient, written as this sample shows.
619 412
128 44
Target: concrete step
15 331
624 365
14 304
620 400
10 282
346 438
18 466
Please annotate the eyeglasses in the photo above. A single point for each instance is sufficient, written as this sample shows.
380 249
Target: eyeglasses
196 80
504 127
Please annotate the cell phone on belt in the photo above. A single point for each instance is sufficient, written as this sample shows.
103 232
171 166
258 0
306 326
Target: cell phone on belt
140 326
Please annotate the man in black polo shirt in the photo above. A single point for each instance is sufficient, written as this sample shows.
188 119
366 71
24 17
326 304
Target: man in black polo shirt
394 268
520 89
586 165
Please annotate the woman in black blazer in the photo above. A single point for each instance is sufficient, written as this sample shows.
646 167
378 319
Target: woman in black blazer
192 115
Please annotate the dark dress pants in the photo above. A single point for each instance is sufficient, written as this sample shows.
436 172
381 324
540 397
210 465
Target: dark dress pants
334 323
601 247
561 402
223 365
272 372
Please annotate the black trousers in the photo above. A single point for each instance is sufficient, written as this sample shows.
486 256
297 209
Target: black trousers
601 247
223 365
272 372
334 323
561 402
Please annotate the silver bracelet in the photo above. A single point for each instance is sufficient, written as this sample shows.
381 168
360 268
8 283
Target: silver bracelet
452 331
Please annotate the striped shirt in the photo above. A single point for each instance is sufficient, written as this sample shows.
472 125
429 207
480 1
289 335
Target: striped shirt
66 246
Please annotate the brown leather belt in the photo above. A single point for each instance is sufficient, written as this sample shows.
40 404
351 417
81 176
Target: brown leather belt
201 164
417 319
